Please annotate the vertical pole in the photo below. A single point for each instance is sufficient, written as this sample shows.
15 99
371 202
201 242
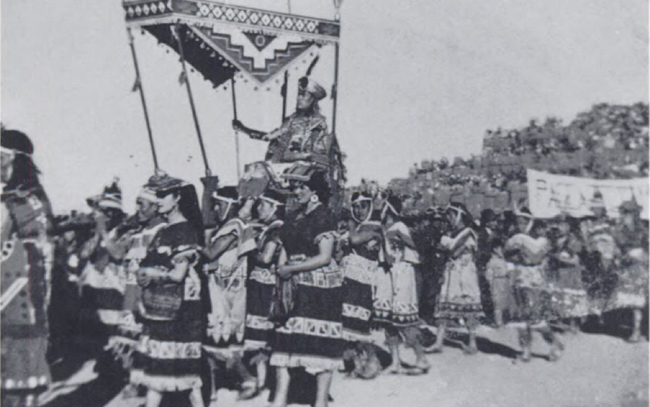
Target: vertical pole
189 94
138 84
283 92
234 110
335 86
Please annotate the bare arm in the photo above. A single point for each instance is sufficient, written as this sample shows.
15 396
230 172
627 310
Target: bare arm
266 255
460 240
176 275
220 246
252 133
323 258
360 237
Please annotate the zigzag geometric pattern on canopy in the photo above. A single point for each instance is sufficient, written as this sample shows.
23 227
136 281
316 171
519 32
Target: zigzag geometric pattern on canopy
244 51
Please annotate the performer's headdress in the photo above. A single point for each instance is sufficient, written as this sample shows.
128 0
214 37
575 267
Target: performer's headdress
274 197
229 195
111 198
358 197
312 87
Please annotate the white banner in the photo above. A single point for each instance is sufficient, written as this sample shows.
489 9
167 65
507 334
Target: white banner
549 194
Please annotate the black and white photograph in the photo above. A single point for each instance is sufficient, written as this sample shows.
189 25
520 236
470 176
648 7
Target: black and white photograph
327 203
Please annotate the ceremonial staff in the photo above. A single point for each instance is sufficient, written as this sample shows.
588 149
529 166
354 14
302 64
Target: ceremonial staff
234 110
335 86
184 79
138 85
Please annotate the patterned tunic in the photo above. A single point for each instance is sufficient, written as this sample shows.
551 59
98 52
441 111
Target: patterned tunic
124 343
525 256
565 280
599 258
260 287
299 133
360 269
169 353
460 296
102 291
631 286
396 300
490 257
24 283
227 284
313 335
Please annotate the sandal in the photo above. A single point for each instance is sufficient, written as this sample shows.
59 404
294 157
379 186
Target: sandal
416 370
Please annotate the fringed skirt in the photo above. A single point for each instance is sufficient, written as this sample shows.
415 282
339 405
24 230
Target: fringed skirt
460 296
313 336
396 301
169 352
124 343
227 320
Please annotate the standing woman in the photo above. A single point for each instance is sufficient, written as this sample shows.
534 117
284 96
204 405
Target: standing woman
169 358
26 219
125 342
526 251
497 273
631 289
226 252
564 274
312 337
460 296
269 210
360 267
403 318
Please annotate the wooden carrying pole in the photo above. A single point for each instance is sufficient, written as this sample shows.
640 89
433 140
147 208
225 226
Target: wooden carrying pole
283 92
234 111
185 79
138 85
335 86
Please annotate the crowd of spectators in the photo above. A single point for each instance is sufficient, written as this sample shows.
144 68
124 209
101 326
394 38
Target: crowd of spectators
606 142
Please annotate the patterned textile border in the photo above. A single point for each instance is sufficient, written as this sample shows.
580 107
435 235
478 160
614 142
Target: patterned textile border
249 19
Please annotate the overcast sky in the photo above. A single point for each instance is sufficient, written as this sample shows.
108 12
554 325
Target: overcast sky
419 79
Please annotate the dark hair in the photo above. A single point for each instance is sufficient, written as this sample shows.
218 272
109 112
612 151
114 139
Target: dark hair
25 173
357 194
228 192
396 203
279 211
319 185
188 205
115 216
487 215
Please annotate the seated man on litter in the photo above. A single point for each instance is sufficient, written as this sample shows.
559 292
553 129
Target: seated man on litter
303 136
